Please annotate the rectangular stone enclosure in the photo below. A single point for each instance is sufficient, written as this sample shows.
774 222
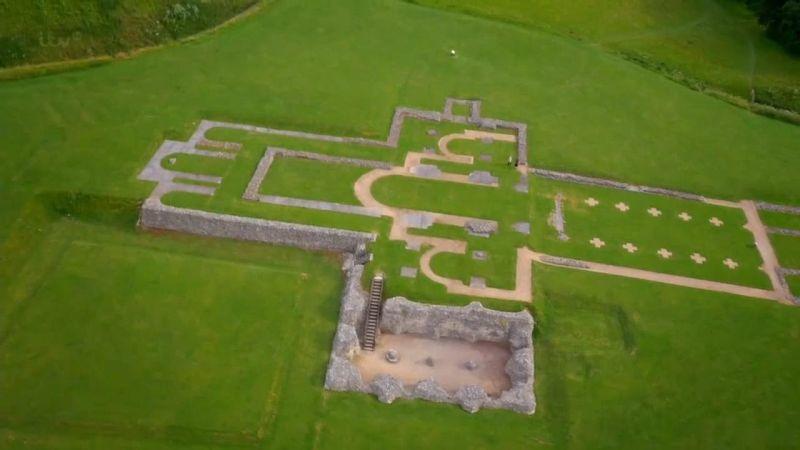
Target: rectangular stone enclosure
471 356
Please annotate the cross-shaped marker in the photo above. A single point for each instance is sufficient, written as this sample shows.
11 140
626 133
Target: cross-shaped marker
655 212
664 253
698 258
591 201
684 216
597 242
716 222
730 263
622 207
630 247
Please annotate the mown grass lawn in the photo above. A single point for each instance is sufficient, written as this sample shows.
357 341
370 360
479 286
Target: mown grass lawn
649 234
787 249
312 180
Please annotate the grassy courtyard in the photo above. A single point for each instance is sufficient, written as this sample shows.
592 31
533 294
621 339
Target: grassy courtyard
113 337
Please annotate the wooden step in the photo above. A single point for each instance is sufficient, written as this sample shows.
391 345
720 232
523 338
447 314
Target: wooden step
372 319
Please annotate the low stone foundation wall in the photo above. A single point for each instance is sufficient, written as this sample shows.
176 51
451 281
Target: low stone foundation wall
783 231
602 182
785 209
155 214
471 323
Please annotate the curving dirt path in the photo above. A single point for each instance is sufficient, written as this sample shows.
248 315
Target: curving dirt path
399 229
523 290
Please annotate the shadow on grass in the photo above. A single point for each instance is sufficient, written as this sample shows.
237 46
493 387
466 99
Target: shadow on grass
556 315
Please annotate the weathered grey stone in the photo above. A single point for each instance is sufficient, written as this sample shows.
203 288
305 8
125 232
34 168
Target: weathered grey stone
784 231
482 177
345 342
556 219
568 262
472 322
417 220
362 255
392 356
471 397
430 390
522 227
519 399
520 335
785 209
485 158
408 272
432 132
426 171
156 215
523 185
428 150
354 298
413 245
480 255
580 179
487 140
227 146
477 282
520 366
342 375
482 228
387 388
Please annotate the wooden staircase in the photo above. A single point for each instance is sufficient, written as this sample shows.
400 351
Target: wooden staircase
373 317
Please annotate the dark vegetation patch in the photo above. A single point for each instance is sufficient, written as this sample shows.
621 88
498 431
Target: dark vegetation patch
54 30
781 18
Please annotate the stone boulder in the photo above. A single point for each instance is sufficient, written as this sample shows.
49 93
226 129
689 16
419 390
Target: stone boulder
387 388
520 333
520 367
345 343
343 376
354 299
519 399
430 390
471 397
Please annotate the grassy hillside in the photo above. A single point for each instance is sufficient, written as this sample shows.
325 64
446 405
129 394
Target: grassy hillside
714 44
54 30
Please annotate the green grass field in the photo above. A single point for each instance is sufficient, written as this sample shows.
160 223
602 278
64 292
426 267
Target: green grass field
715 44
787 249
648 233
779 220
794 285
312 180
116 338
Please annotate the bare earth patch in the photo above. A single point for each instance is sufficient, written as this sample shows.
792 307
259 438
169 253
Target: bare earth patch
447 361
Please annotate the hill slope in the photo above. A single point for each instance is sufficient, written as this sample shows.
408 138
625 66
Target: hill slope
55 30
704 43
